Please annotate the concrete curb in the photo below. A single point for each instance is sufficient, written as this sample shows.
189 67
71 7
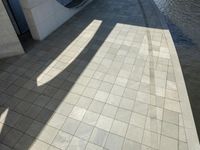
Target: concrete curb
190 128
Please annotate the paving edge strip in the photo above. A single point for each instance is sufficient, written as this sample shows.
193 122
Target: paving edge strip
190 128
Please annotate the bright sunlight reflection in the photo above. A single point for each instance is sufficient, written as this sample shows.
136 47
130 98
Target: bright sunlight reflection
69 54
3 118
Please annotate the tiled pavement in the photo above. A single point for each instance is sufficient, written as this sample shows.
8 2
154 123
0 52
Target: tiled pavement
101 81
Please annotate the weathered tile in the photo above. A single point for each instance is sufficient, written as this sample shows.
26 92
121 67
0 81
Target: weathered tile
90 118
91 146
171 116
39 145
134 133
101 96
140 108
151 139
104 123
109 110
35 129
84 131
84 102
57 120
96 106
112 138
119 128
99 137
77 143
138 120
114 100
77 113
123 115
127 104
117 90
129 145
70 125
170 130
62 140
48 134
172 105
168 143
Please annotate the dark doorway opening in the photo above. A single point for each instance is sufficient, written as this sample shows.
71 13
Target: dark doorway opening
19 22
72 3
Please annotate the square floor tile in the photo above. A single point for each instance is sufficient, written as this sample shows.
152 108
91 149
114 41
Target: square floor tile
101 96
104 123
89 92
151 139
62 140
70 125
96 106
35 129
135 133
84 102
84 131
77 89
77 113
91 146
12 137
172 105
44 115
71 98
123 115
47 134
33 111
114 100
57 121
77 143
42 100
130 93
138 120
168 143
109 110
131 145
24 143
112 138
155 112
170 130
153 125
64 108
140 108
117 90
127 104
143 97
105 86
23 123
119 128
171 116
90 118
39 145
99 137
94 83
121 81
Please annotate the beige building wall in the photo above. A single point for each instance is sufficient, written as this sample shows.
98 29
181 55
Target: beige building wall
9 42
45 16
